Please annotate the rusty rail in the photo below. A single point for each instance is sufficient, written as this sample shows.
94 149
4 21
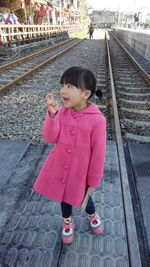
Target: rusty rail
23 59
22 77
134 252
132 59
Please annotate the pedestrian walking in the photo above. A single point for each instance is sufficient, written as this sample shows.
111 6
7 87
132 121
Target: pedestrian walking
76 162
91 30
9 20
136 21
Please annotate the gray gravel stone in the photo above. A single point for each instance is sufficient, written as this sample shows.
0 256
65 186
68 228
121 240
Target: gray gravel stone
23 108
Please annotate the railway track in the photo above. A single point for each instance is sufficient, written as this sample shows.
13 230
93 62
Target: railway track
18 70
132 86
130 91
139 58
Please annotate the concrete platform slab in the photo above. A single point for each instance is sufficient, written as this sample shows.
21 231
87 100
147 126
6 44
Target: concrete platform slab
10 153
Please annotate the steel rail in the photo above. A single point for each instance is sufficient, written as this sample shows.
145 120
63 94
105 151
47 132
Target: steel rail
23 59
132 59
132 239
22 77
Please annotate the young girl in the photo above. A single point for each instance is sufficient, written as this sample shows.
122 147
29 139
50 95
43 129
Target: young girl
77 160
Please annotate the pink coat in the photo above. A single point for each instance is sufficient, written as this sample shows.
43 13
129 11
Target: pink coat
77 159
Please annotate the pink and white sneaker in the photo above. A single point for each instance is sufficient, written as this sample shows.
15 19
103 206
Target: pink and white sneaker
68 232
96 224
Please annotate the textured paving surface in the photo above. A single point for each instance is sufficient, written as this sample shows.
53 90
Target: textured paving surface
30 224
12 151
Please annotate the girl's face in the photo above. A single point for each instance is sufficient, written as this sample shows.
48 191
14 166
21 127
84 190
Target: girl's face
74 97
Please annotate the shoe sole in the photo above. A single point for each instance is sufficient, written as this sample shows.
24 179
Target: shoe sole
98 233
67 242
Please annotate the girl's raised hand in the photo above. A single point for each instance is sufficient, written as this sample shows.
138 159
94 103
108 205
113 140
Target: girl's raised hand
52 104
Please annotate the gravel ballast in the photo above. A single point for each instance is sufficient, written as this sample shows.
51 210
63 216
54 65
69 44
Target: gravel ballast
23 107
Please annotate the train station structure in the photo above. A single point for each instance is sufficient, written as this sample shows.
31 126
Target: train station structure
39 20
42 11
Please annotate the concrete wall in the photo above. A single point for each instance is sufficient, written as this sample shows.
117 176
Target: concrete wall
139 41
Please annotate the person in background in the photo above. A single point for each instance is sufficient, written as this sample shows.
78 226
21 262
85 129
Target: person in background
47 16
91 30
14 18
136 20
2 19
9 20
76 162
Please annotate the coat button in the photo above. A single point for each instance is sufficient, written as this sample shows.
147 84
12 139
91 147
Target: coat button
73 132
63 181
69 150
75 116
66 167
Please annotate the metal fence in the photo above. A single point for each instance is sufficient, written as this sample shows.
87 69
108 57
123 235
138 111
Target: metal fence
19 33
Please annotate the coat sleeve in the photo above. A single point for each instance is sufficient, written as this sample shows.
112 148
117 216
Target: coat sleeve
98 146
51 128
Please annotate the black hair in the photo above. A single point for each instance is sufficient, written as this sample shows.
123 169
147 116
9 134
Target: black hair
81 78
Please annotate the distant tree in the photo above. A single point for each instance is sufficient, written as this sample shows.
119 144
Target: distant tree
83 7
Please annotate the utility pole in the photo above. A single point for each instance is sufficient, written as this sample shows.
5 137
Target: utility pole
60 12
118 18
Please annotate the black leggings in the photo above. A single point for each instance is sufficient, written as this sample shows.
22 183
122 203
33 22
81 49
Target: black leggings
67 208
